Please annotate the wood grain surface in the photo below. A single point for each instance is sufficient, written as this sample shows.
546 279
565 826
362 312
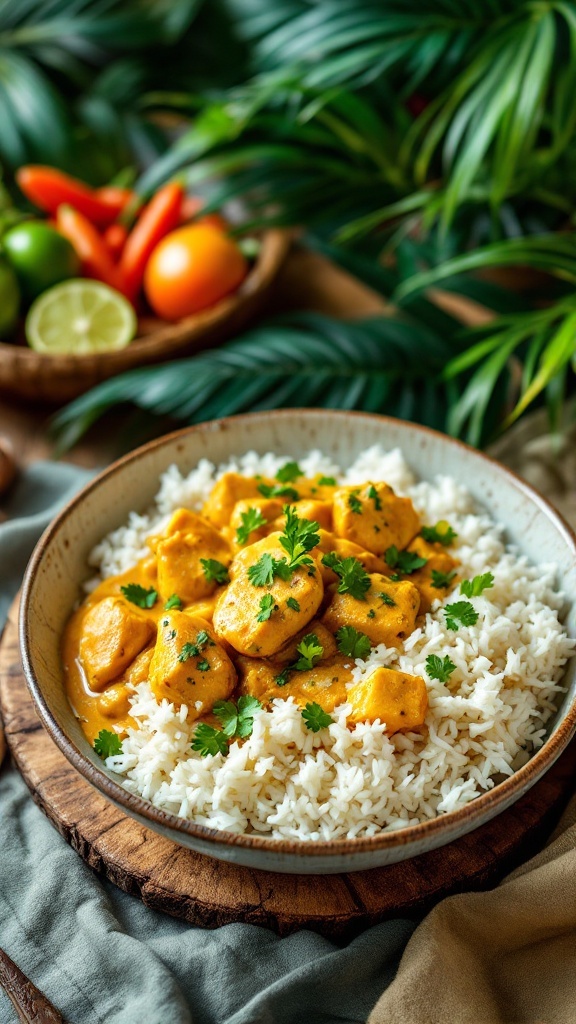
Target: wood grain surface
30 1003
211 893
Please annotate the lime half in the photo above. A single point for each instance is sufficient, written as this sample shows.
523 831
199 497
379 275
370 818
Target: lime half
80 317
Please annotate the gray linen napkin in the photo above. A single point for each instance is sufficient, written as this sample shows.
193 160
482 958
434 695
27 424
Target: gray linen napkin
104 958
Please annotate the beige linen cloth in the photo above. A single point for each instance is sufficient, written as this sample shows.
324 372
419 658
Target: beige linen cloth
507 956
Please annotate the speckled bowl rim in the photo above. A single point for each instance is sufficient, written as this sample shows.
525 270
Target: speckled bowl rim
503 792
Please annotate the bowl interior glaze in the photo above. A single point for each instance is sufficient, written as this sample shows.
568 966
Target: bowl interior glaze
59 565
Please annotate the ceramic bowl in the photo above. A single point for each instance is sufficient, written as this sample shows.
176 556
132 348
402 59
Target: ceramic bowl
58 566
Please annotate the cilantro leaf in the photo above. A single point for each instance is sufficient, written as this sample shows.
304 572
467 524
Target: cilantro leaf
237 721
473 588
275 491
137 595
203 666
299 537
107 744
262 573
355 504
188 651
289 471
442 533
439 668
354 579
442 580
353 643
282 678
386 599
405 561
315 717
327 481
373 493
293 604
251 520
310 650
267 606
208 740
193 650
173 602
214 570
461 613
204 638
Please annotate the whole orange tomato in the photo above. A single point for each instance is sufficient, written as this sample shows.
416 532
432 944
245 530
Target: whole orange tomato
191 269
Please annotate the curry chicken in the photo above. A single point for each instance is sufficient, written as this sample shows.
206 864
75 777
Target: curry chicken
272 590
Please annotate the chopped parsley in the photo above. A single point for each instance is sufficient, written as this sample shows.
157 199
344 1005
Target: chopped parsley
461 613
293 604
203 666
251 520
289 472
315 717
473 588
373 493
353 643
310 650
405 561
327 481
442 533
439 668
386 599
237 720
278 491
299 537
441 580
208 740
107 744
262 573
371 614
214 571
354 579
267 606
194 650
173 602
282 678
355 504
136 594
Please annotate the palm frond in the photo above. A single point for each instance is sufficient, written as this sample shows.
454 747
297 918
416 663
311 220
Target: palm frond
391 365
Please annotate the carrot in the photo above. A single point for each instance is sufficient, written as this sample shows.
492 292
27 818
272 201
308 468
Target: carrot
115 237
191 206
90 247
116 199
161 215
48 188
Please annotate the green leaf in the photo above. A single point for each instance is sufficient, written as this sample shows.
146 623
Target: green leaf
439 668
442 533
315 717
173 602
310 650
293 604
267 606
262 573
299 537
237 720
251 520
107 744
442 580
406 562
278 491
355 504
288 472
139 596
477 586
209 741
214 571
353 643
460 613
354 579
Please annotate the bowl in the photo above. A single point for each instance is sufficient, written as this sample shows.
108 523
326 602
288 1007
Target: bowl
59 565
35 375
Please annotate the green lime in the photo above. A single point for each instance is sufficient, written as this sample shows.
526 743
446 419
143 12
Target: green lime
40 257
9 299
80 317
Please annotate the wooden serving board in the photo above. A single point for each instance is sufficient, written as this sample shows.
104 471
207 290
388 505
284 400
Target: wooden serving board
210 893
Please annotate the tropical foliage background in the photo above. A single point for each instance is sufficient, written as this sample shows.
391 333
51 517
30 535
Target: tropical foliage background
419 143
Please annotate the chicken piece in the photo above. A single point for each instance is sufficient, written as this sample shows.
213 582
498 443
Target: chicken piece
189 666
239 616
115 701
438 561
317 511
387 614
325 684
113 634
188 539
374 517
346 549
396 698
288 652
227 491
205 608
269 508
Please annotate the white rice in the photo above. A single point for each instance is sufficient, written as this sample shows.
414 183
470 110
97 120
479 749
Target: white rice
287 782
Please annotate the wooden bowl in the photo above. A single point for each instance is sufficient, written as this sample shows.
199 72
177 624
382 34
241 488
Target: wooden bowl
32 375
59 565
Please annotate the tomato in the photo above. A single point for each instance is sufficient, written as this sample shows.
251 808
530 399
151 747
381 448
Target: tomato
9 299
40 257
191 269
